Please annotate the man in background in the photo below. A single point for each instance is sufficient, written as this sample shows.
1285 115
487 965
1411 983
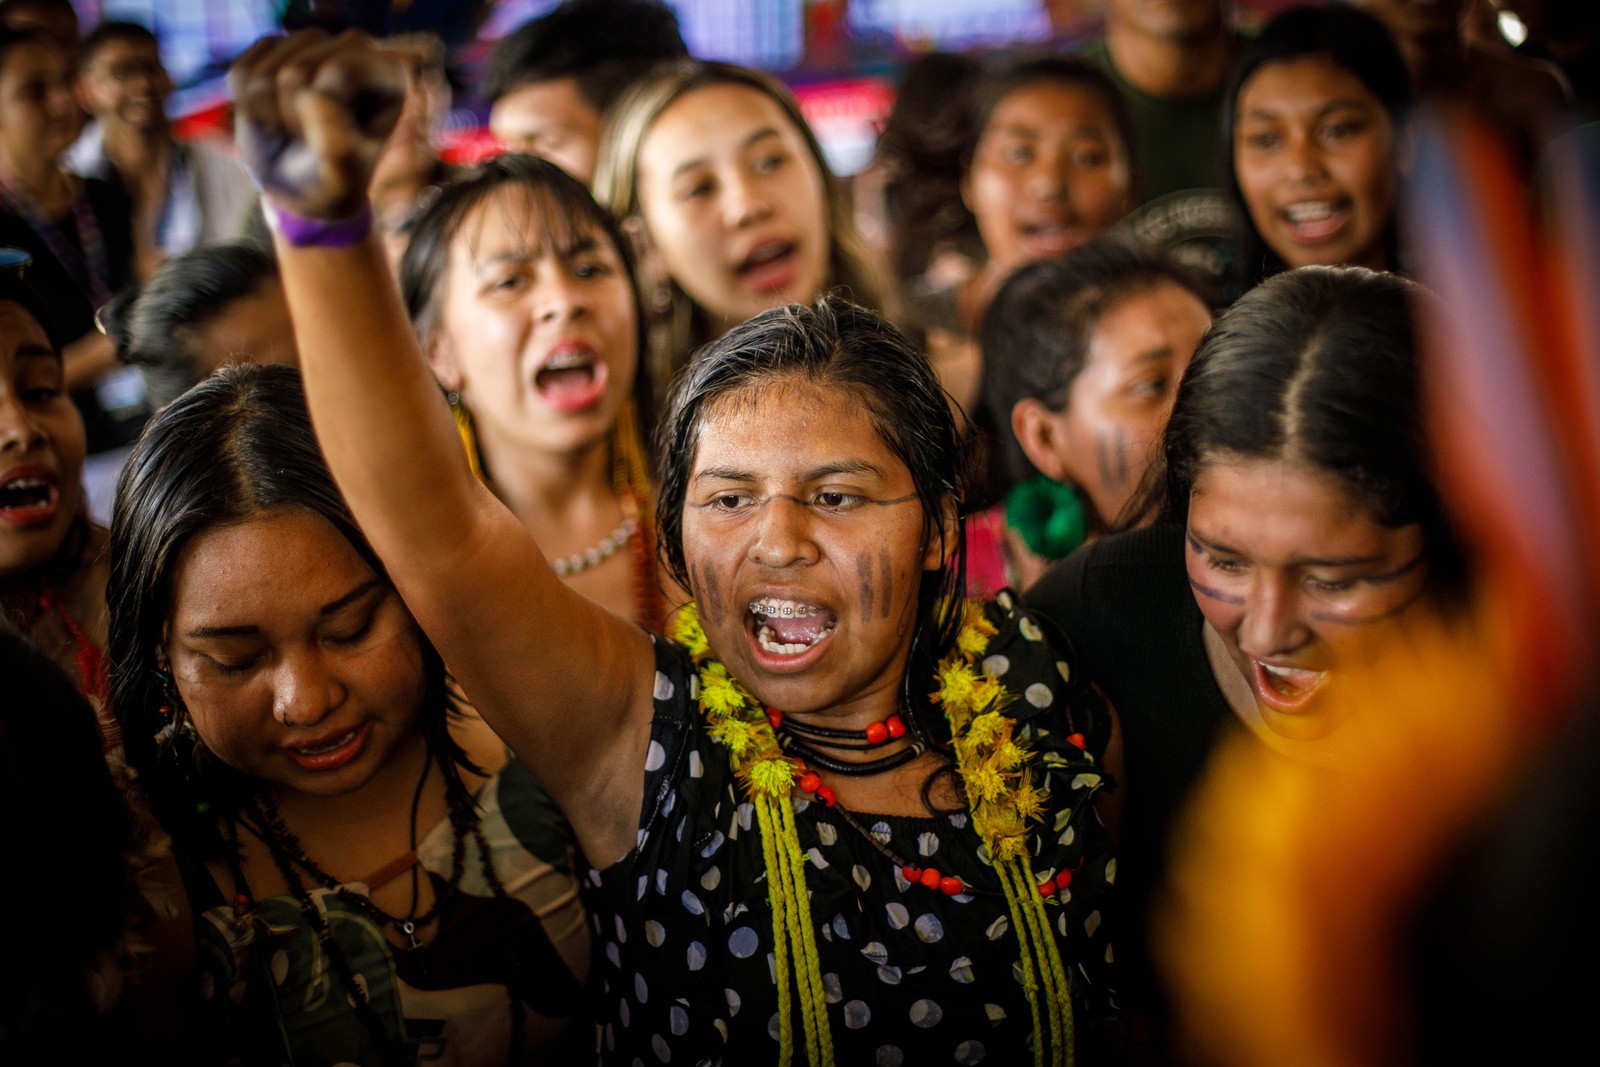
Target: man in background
1171 59
551 79
184 193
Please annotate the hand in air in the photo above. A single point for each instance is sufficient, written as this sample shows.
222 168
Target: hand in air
312 113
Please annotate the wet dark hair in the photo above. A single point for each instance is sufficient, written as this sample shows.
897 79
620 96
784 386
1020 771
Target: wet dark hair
988 93
113 31
156 326
603 45
236 447
565 211
841 345
1352 40
1035 335
1318 366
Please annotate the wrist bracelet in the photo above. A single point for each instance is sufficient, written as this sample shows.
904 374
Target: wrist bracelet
319 233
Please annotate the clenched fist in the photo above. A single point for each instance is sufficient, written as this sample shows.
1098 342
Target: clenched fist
312 113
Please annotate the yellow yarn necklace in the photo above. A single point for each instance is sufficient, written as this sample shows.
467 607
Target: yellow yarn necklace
997 776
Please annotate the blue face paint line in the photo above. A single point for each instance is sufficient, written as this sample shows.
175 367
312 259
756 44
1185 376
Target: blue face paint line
1397 573
1215 594
1211 592
1368 620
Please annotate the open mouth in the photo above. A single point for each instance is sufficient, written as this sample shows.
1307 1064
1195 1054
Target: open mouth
1312 221
1050 237
1286 689
571 379
332 752
28 499
789 627
770 266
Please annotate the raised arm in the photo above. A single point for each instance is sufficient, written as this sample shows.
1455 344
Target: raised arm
564 682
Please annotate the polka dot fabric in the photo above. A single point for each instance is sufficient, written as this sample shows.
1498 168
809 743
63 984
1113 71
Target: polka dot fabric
685 928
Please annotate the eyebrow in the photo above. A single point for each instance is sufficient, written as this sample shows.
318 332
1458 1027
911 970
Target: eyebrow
333 607
699 161
1199 541
33 350
584 243
827 470
1321 110
1153 354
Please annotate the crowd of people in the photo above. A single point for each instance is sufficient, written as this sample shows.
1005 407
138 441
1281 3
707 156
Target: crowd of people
644 599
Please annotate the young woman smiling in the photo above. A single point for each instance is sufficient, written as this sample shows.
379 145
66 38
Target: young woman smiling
1299 522
768 799
372 880
727 188
1313 125
1046 167
522 292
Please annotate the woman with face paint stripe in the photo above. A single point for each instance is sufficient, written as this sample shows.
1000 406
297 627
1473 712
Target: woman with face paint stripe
1297 519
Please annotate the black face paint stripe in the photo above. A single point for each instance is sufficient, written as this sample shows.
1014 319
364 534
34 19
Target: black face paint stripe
864 572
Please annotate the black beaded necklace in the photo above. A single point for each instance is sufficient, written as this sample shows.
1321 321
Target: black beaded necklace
804 740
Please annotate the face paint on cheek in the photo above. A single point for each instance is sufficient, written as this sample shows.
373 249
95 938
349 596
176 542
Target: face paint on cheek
1207 591
1111 455
707 590
1349 617
886 565
864 572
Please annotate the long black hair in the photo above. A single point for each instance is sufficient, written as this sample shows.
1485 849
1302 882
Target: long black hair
1317 365
1352 40
834 343
236 446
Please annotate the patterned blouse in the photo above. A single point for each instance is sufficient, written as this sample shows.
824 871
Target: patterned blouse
684 925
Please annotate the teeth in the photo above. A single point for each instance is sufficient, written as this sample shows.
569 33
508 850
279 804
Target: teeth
769 643
785 609
1314 211
336 743
28 483
1285 672
567 360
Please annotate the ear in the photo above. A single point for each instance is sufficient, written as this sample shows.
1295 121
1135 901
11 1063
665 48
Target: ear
442 360
940 547
1037 432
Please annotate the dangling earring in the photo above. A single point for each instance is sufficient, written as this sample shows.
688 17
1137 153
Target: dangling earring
1048 515
176 725
465 430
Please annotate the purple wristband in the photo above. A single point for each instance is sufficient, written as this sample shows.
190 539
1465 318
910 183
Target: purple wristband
319 233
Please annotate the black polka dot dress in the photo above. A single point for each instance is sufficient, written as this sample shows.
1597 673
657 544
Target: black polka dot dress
684 927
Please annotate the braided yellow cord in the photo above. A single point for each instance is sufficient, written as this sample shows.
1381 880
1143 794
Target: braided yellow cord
778 893
1009 875
813 1000
1058 1002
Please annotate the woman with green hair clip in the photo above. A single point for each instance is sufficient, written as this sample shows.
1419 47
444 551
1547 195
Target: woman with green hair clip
1082 356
